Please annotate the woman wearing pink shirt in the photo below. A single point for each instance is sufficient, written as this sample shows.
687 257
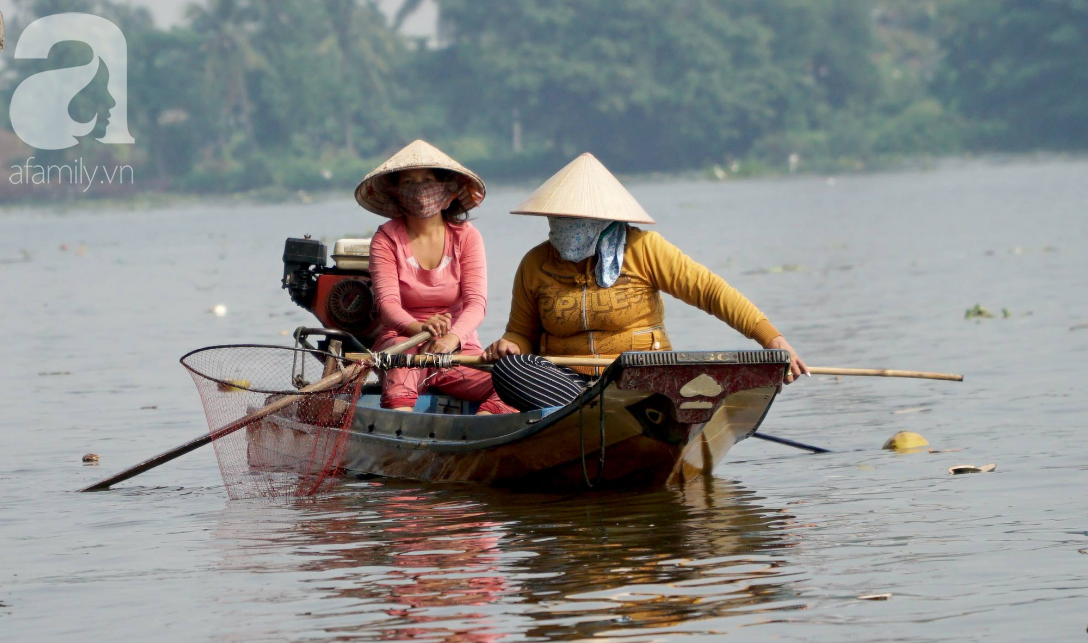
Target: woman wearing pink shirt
429 271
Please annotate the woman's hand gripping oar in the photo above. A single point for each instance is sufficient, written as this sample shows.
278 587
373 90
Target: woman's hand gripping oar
324 383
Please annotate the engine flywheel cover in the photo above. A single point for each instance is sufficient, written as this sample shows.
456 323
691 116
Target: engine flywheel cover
351 304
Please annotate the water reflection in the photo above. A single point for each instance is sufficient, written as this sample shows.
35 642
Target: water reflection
402 561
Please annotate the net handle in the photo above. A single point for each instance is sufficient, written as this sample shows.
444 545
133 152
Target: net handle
192 445
355 370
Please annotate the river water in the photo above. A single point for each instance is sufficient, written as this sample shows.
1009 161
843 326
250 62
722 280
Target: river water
874 270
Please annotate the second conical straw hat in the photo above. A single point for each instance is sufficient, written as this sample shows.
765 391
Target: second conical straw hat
372 192
584 188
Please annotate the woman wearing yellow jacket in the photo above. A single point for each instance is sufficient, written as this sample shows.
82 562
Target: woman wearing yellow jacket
594 290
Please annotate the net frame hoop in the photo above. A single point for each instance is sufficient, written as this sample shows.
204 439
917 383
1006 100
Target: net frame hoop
296 350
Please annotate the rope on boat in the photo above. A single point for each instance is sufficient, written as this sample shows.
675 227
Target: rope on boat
385 361
582 439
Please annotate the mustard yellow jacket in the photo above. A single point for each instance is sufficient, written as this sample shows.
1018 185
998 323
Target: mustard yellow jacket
558 308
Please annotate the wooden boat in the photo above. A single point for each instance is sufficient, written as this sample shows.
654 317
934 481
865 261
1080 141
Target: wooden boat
661 417
665 417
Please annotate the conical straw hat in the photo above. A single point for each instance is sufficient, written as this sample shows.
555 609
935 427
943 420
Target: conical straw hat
373 192
586 189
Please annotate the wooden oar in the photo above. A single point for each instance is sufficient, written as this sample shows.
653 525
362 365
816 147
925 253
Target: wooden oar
600 362
879 372
280 404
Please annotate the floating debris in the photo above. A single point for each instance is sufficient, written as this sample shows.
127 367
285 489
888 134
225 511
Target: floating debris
970 468
981 312
944 450
1079 326
906 442
148 408
219 310
874 597
90 457
978 312
1082 551
24 258
1018 251
53 373
233 386
917 409
777 270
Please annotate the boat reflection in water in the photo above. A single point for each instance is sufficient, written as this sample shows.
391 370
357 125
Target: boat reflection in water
395 560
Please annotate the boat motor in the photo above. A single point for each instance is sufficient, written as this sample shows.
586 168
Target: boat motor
341 296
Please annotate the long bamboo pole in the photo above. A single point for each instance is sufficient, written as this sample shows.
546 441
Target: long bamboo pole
879 372
476 360
180 450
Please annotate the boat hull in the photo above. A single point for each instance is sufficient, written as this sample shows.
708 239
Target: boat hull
667 417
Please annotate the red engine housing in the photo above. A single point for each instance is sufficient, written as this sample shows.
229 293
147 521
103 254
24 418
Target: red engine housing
346 302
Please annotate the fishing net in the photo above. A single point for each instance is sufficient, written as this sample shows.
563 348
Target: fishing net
277 416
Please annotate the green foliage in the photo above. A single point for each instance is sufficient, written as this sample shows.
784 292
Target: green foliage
649 85
922 127
1018 66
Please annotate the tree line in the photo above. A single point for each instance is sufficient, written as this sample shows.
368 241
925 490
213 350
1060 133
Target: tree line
297 94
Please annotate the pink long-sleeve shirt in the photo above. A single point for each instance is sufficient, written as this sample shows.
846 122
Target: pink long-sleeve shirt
407 293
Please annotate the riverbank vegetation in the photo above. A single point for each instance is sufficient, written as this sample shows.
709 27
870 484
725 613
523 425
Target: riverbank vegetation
248 95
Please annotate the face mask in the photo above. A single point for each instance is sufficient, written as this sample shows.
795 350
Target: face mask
574 238
425 200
